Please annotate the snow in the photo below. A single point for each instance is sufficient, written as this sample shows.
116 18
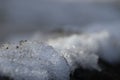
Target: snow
78 51
33 61
68 34
85 49
56 58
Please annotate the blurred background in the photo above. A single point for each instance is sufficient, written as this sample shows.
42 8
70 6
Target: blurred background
21 19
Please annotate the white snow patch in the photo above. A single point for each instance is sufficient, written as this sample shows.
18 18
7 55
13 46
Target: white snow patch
85 49
32 61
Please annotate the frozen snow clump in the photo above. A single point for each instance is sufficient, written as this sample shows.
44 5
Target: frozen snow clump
32 61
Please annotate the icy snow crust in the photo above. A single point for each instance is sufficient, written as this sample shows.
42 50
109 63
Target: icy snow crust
56 58
32 61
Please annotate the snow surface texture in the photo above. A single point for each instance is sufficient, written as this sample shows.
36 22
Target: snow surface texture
32 61
35 60
85 49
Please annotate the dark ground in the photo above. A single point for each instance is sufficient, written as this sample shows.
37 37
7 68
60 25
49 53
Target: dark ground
5 78
109 72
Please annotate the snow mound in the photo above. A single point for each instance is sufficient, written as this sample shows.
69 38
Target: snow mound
85 49
79 50
32 61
